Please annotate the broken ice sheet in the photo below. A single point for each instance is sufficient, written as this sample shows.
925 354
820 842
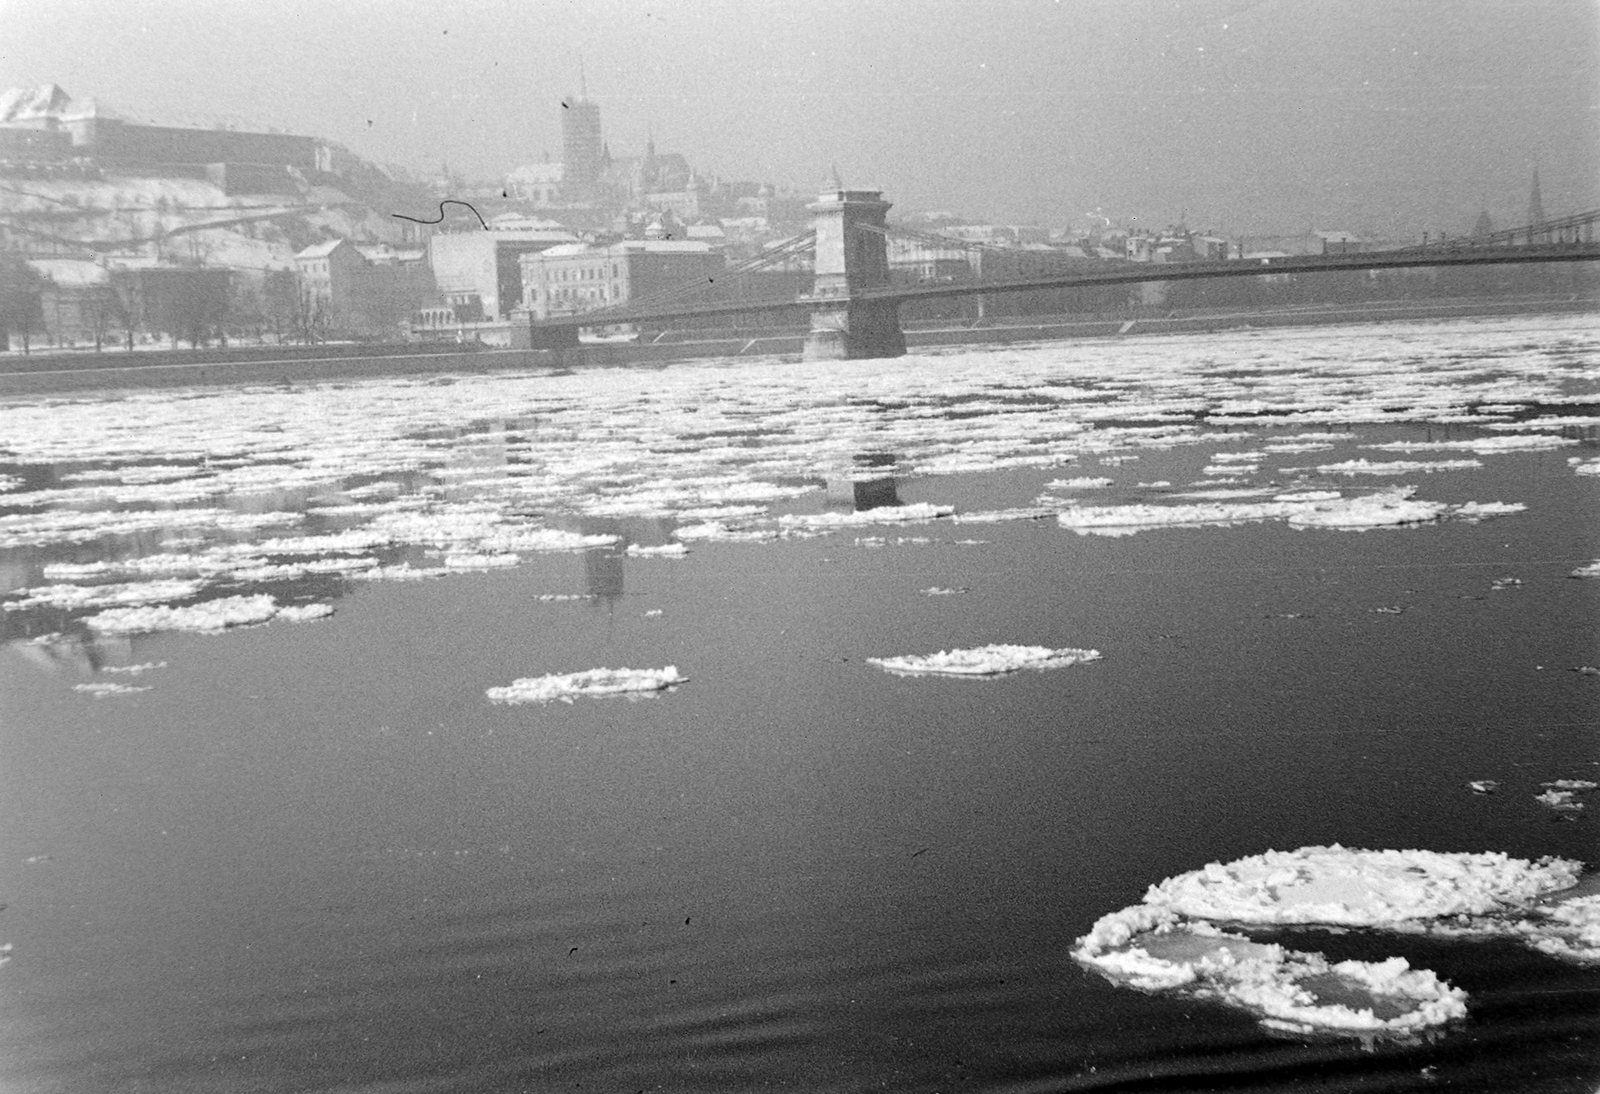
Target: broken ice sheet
992 660
633 683
1173 941
1288 990
209 616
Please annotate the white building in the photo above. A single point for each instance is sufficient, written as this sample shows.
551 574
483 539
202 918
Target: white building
575 277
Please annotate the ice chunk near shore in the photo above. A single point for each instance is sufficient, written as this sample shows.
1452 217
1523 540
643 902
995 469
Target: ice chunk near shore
992 660
1171 941
634 683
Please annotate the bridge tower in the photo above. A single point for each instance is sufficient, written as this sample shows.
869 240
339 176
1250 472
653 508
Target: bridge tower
852 255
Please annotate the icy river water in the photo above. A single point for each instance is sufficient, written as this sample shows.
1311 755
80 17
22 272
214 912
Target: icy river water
264 828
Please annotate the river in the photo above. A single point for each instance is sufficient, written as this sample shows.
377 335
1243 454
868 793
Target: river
308 853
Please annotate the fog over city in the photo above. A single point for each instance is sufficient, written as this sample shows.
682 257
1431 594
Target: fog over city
1241 115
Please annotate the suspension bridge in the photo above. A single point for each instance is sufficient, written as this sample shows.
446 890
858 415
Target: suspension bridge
854 302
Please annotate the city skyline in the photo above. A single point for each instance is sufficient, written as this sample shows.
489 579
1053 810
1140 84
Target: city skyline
1277 115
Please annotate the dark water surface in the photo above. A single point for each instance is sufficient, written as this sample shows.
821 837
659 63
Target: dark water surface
314 858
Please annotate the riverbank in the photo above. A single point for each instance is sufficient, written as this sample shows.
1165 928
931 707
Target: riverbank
46 373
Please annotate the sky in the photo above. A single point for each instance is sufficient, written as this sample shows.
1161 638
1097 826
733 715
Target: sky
1386 117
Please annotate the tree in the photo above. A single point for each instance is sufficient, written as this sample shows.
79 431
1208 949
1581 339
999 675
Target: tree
21 300
280 301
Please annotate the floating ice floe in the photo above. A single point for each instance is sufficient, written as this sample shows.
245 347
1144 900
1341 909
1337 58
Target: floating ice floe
1085 482
1000 516
1394 467
664 550
78 597
992 660
716 531
1308 495
1172 941
480 562
919 513
897 541
1392 507
1484 786
1585 467
107 689
1535 442
1588 569
937 591
208 616
133 670
629 682
1474 511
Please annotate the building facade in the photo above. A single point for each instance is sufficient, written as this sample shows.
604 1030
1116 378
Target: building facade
362 288
478 272
576 277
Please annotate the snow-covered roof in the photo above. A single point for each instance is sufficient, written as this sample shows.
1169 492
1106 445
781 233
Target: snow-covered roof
321 250
565 250
70 271
19 104
664 246
522 222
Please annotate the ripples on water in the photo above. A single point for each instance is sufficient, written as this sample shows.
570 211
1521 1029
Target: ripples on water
315 857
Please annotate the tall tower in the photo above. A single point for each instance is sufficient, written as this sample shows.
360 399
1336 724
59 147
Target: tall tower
1535 202
582 148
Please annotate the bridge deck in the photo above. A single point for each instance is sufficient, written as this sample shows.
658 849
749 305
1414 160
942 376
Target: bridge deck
1120 273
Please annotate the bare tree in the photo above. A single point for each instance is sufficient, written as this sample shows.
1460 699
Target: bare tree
21 300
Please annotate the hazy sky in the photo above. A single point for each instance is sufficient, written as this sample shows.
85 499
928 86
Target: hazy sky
1247 115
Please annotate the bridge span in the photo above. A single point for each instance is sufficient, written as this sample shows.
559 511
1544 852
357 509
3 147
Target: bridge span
854 305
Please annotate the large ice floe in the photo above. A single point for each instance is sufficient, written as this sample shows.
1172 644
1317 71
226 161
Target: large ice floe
992 660
207 617
632 683
1312 509
1177 939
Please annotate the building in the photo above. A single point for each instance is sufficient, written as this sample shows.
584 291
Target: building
539 184
577 277
478 273
92 131
362 288
582 146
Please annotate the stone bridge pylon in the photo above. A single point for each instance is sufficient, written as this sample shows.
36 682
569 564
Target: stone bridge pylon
852 255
